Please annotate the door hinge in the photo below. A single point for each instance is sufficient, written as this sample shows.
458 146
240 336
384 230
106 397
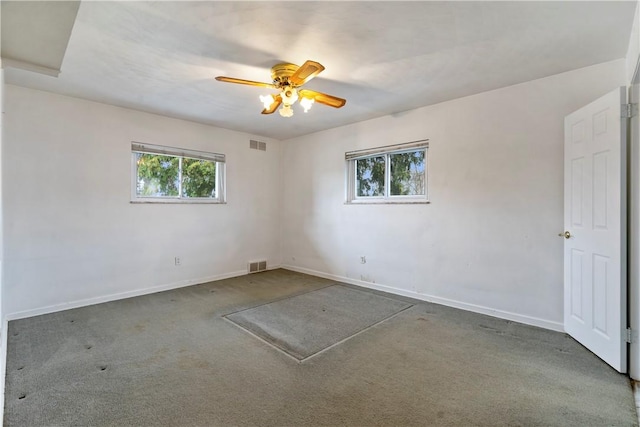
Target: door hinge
629 110
629 335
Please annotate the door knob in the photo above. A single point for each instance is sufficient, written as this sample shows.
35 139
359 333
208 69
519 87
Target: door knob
566 234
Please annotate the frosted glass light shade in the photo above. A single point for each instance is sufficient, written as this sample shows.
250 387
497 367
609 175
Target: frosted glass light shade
266 100
306 103
286 111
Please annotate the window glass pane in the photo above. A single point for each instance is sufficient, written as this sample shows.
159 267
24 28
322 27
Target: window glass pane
198 178
157 175
370 176
407 173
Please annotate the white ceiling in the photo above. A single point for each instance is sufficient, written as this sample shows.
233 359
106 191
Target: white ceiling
35 34
383 57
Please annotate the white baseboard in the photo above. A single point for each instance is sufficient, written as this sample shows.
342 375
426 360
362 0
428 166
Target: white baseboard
520 318
123 295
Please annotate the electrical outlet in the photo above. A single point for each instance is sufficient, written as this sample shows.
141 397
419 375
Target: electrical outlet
363 260
178 261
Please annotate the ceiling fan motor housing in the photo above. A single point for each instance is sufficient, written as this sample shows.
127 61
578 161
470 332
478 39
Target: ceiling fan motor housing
280 73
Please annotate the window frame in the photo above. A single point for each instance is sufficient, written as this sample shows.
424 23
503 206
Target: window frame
387 151
180 153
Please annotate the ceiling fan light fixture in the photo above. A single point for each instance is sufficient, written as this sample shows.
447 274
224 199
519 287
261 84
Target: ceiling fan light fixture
287 79
267 100
289 95
286 111
306 103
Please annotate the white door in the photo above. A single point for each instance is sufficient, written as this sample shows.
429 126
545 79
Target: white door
634 227
595 286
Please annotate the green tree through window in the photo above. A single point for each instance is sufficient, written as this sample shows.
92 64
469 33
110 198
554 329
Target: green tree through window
370 176
389 175
407 173
158 175
162 175
198 178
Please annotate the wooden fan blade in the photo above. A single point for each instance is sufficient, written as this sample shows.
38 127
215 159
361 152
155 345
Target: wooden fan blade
273 107
323 98
306 72
243 82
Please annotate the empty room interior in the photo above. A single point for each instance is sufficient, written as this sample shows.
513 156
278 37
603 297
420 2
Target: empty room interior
319 213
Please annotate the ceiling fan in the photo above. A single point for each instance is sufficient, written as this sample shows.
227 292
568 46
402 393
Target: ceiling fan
288 79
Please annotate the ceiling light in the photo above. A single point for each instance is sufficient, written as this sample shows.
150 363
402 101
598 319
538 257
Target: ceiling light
289 95
306 103
288 79
286 111
266 100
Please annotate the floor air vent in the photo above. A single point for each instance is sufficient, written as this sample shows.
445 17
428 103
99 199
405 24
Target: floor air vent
257 145
257 266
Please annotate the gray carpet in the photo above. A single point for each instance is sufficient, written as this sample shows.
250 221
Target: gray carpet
171 359
306 324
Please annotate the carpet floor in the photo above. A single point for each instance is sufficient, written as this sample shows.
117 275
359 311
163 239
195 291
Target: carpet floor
172 359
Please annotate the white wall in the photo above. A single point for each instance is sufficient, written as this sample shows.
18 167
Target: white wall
488 241
71 235
633 51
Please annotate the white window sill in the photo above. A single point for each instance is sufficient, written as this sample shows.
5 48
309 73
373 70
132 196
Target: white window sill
177 201
389 202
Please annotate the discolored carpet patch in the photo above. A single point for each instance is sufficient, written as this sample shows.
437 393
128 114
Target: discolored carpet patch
307 324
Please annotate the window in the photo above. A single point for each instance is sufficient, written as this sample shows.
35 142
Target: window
392 174
174 175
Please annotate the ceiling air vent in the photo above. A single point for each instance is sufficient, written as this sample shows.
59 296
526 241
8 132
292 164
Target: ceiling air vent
257 145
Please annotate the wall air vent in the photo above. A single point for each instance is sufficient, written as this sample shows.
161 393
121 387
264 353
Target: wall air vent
257 145
257 266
